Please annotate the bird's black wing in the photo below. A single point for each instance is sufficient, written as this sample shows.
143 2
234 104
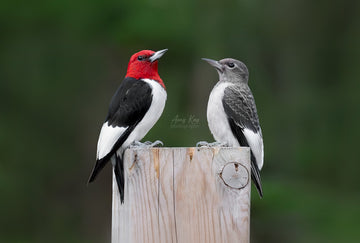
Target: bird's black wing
130 103
127 108
240 108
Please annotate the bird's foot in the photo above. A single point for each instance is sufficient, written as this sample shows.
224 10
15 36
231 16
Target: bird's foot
147 144
156 143
214 144
202 144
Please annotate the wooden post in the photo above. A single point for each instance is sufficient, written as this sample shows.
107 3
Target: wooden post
183 195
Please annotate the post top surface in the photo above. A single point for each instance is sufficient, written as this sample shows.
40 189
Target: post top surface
197 148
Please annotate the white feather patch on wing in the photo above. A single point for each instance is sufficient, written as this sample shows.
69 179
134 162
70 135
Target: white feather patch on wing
255 142
107 139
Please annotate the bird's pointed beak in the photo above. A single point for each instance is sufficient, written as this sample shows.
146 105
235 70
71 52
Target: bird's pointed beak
157 55
215 64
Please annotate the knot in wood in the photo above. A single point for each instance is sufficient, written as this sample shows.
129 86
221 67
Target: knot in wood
235 175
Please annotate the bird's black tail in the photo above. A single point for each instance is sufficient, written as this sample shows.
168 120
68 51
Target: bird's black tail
255 175
119 174
255 172
118 170
99 165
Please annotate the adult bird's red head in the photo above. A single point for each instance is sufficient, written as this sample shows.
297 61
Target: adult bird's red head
144 64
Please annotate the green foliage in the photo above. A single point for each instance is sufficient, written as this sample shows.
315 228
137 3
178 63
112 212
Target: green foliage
61 61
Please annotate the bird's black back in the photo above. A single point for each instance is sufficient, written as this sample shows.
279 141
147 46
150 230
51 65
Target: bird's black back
129 103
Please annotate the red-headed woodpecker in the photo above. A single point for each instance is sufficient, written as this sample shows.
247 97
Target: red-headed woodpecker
134 109
232 115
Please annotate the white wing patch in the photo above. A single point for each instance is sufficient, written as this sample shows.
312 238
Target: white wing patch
255 142
107 139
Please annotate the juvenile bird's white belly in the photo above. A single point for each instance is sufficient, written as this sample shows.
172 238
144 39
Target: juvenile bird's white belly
152 115
217 119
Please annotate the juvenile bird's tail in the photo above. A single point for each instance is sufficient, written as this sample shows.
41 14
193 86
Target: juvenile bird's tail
255 175
255 172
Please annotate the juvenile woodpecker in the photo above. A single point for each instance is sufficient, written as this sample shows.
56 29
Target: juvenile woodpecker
232 115
134 109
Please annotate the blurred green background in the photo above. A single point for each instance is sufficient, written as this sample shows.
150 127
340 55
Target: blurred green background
61 62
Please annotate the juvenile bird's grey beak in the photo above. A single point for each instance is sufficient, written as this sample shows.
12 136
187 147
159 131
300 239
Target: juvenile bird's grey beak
215 64
157 55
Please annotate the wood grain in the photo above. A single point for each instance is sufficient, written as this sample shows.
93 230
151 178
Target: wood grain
178 195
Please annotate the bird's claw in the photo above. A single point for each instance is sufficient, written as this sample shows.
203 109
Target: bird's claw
202 144
147 144
214 144
156 143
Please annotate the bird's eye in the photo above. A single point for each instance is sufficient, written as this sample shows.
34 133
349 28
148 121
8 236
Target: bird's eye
231 65
140 58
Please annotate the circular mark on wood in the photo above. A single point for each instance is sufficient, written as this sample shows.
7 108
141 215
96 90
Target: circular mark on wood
235 175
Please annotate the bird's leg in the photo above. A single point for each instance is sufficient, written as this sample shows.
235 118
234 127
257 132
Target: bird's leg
136 144
214 144
146 144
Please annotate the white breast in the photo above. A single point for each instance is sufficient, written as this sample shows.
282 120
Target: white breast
217 119
152 115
